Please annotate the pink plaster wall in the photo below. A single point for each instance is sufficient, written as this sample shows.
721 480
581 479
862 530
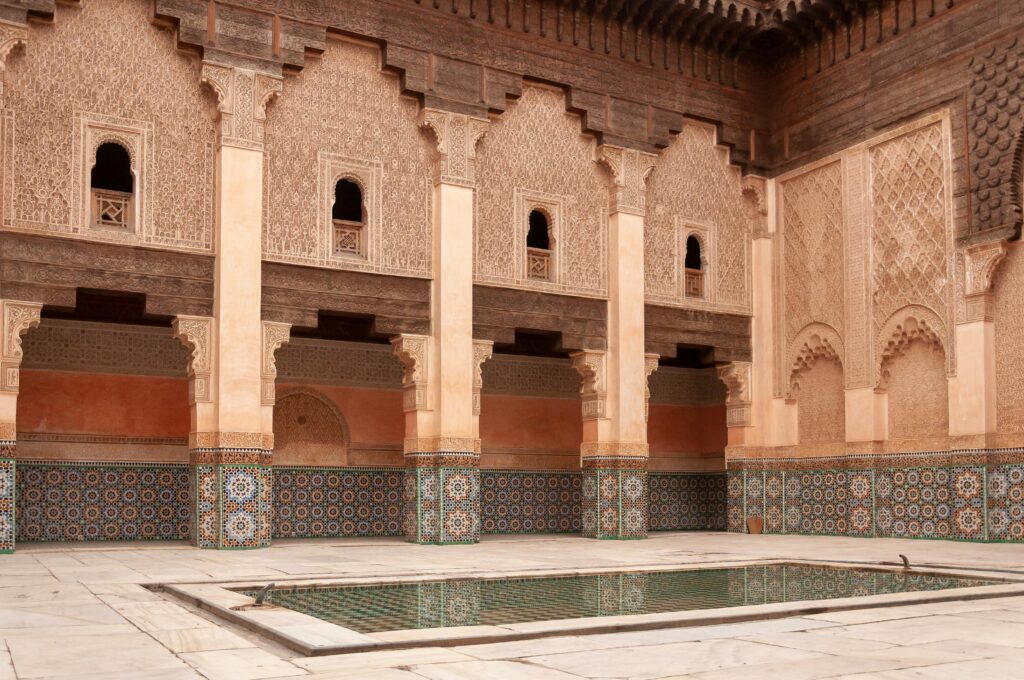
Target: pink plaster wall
686 438
530 433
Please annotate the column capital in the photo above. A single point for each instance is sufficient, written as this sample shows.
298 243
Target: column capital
455 136
736 376
17 318
275 335
242 98
197 334
980 264
412 351
592 367
482 351
650 366
630 169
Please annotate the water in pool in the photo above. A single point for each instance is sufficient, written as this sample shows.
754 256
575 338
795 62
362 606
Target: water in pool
370 609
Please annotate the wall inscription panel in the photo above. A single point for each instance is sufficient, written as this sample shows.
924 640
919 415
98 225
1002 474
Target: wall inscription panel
536 148
694 186
136 77
342 117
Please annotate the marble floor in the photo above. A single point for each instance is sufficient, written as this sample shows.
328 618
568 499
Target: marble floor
81 611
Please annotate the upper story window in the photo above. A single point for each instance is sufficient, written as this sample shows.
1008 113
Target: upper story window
538 247
694 268
349 219
112 186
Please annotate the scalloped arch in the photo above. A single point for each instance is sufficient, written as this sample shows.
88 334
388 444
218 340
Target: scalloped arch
913 323
814 341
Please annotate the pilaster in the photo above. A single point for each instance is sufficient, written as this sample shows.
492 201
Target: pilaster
442 376
614 388
16 318
972 392
231 362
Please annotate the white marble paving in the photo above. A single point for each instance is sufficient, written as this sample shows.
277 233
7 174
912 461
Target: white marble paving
81 611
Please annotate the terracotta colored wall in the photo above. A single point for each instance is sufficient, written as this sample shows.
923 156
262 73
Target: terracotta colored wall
685 438
110 406
530 433
376 423
91 403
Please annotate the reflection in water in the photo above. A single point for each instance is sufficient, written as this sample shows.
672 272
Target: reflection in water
440 604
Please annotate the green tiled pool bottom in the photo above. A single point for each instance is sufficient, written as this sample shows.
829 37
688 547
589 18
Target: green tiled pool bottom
371 609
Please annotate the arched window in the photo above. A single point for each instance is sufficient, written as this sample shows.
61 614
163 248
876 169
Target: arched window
694 266
538 246
112 186
349 219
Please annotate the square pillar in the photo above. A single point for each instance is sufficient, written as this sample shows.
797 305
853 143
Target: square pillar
441 497
231 489
615 495
7 477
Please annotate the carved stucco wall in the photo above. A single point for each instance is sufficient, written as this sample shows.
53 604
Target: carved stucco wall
918 393
309 430
865 249
535 154
911 230
693 187
811 252
821 404
1009 340
135 81
341 116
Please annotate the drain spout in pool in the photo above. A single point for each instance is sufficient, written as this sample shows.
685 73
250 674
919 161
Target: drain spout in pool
261 594
906 562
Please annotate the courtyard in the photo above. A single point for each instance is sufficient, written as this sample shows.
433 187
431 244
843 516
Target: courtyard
91 611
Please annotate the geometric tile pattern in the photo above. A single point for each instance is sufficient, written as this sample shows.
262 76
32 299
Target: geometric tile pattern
1005 494
7 487
614 503
101 501
320 502
528 502
735 500
233 507
920 502
686 501
441 504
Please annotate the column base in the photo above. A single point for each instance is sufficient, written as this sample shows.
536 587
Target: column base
231 497
615 497
7 497
441 498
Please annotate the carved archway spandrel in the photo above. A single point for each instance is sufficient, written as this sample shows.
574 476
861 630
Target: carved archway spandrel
455 136
629 171
17 318
275 335
242 98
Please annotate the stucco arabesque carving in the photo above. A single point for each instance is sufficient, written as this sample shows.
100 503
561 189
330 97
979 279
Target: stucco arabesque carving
242 98
482 351
11 35
755 192
629 171
591 366
456 136
18 318
196 333
275 334
815 341
736 376
980 264
650 366
914 323
412 351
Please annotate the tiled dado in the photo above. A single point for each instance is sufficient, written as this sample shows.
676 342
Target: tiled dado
7 486
527 502
615 497
960 502
322 502
233 505
686 501
441 498
86 501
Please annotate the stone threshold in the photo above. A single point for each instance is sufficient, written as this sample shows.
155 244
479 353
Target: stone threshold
310 636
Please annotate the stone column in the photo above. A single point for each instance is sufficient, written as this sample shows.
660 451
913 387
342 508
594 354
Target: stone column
16 318
972 393
442 441
614 448
230 452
